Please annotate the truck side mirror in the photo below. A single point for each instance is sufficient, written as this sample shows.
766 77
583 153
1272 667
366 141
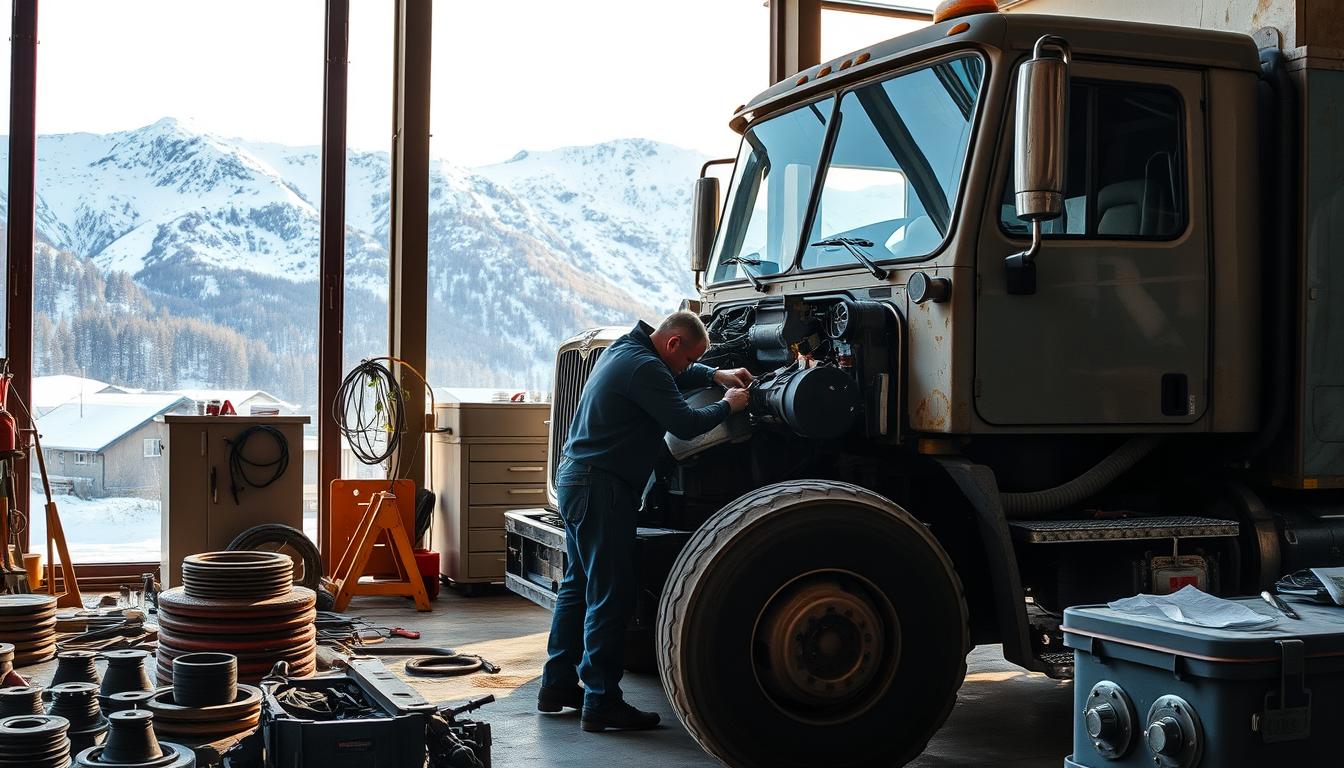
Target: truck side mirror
1039 151
704 221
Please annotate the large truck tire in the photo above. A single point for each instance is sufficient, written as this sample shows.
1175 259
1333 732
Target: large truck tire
812 623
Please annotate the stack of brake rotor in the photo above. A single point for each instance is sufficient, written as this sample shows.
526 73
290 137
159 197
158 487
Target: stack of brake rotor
240 603
28 622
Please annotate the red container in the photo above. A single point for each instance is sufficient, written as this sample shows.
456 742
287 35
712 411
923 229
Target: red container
427 561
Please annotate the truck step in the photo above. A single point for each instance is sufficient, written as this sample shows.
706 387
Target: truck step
1122 529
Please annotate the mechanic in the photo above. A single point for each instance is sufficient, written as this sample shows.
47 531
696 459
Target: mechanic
632 398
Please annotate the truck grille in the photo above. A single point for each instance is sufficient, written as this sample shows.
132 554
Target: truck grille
571 374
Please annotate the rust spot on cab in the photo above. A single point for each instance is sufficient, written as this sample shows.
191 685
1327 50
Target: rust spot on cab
933 411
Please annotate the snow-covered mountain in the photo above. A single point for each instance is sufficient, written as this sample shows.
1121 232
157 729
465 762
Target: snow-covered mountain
522 253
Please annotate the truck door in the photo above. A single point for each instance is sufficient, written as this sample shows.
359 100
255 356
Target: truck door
1117 330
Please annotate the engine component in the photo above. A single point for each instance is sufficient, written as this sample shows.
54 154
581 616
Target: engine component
818 403
125 672
782 331
131 744
78 704
922 288
20 700
205 679
1174 736
1109 719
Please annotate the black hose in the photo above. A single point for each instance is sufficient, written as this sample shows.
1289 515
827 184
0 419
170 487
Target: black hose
444 666
238 463
1086 485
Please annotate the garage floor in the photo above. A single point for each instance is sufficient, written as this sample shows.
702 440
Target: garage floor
1005 717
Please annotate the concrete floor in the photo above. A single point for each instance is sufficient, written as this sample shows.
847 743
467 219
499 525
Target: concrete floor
1005 717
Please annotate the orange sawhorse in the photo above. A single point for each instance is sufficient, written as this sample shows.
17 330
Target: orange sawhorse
382 517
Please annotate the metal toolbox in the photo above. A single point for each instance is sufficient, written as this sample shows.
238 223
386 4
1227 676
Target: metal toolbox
1156 693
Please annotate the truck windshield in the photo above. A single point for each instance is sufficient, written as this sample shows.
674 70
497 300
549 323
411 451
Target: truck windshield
894 174
768 197
890 185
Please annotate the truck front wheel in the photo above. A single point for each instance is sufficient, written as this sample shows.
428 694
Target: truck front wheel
812 623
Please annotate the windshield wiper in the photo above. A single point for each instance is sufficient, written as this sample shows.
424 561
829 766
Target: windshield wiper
747 263
853 244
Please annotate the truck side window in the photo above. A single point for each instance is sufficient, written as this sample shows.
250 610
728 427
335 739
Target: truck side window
1125 170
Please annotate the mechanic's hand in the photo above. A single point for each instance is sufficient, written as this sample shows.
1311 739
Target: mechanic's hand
734 377
737 398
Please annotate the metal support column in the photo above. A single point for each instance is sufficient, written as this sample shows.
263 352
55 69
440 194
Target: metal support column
20 217
795 37
409 236
331 305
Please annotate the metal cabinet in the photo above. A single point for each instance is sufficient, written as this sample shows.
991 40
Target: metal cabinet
199 511
485 459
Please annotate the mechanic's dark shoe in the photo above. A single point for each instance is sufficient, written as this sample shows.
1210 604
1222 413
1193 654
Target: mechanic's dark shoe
553 698
621 717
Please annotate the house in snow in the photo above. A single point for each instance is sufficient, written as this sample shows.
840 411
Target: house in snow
242 399
50 392
107 443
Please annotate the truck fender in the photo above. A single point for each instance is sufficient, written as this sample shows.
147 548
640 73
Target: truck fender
981 489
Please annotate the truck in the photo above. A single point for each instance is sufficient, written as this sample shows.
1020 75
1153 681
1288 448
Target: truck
1040 314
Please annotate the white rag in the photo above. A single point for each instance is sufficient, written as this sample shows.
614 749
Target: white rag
1191 606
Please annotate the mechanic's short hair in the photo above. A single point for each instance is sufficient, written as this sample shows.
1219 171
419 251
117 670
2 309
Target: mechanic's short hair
684 324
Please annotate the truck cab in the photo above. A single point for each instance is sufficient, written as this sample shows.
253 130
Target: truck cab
1034 323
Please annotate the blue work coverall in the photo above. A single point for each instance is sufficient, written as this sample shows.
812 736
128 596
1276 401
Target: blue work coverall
630 401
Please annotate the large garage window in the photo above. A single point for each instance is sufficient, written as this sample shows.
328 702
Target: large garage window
1125 171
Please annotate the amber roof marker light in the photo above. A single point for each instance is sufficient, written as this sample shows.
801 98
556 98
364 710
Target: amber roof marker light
955 9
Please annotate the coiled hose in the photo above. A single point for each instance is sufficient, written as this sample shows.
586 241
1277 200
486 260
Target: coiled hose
1084 486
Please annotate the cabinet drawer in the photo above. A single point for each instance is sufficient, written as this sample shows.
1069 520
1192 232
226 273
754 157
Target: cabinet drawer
512 494
488 566
485 540
489 517
507 472
530 452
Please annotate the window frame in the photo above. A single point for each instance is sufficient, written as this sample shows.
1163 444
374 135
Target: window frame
82 459
1093 191
157 442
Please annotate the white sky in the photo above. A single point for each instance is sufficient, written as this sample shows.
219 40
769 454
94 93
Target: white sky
507 75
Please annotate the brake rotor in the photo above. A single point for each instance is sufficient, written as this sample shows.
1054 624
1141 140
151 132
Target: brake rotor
231 644
178 604
179 625
246 575
26 605
247 703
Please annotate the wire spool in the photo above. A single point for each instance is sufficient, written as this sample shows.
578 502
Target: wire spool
173 719
237 575
21 700
34 741
28 622
131 743
78 704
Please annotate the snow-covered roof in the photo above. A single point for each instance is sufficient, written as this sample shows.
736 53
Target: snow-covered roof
51 391
102 419
236 396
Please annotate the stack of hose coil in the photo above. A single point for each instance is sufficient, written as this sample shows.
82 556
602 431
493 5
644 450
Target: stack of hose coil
240 603
34 741
28 622
131 744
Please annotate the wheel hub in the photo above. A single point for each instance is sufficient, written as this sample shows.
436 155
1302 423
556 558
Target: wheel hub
824 643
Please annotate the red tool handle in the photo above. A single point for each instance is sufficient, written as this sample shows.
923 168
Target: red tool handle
406 633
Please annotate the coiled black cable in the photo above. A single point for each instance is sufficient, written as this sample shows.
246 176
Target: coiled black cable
370 412
239 463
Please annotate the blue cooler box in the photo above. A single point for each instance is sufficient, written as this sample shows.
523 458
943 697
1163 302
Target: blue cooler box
1156 694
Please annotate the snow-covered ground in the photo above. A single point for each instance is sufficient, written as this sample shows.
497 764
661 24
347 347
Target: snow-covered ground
112 530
